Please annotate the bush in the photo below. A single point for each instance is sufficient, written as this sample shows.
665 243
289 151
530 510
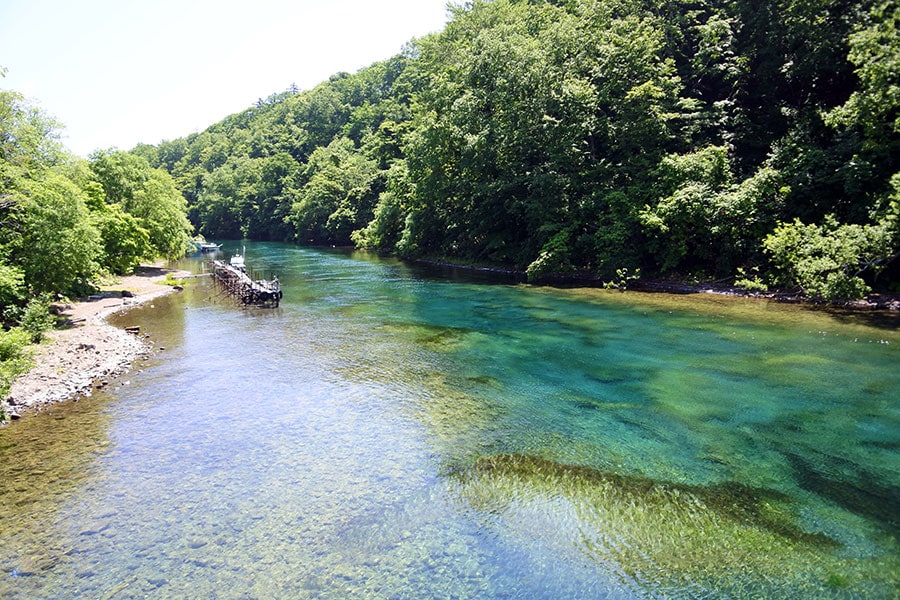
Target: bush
37 318
12 285
828 262
13 357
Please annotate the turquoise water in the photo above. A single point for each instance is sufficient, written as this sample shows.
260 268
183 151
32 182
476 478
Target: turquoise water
389 432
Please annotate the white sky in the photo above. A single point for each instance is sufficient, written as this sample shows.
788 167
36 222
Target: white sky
116 73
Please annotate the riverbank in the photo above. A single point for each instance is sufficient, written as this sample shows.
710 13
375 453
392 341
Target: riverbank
872 302
88 353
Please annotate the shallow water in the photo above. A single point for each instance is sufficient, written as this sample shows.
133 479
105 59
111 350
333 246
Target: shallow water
391 433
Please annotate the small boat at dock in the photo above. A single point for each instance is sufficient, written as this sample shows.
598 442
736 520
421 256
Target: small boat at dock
206 247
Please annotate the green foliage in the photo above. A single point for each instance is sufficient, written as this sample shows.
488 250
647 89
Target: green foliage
248 197
750 281
555 257
384 232
828 261
125 242
172 280
875 52
37 319
120 174
59 245
150 196
337 198
623 279
161 209
709 221
28 138
12 286
14 357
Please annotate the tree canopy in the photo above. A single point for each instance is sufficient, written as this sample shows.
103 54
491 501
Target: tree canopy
684 138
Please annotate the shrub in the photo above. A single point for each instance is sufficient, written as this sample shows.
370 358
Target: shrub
828 262
13 357
37 318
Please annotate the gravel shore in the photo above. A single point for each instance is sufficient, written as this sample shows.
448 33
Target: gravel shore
90 353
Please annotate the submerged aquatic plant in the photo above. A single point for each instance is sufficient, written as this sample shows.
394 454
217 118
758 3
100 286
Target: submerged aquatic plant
724 537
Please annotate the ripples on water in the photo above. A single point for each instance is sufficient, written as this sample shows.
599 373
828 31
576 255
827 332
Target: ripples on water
389 434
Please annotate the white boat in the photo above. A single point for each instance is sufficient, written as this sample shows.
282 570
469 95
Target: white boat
237 261
206 247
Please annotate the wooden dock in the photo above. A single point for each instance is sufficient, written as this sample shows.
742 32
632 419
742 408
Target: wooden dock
236 282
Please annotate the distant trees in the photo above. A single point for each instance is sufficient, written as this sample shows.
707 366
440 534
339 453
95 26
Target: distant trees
681 138
338 196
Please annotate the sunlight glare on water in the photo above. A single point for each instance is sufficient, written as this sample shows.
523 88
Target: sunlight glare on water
388 432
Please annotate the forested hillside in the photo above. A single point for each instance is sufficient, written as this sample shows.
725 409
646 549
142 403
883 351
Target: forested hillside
683 138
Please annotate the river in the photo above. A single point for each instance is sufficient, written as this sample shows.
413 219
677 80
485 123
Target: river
394 432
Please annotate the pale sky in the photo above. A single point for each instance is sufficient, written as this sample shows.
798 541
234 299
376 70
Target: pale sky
116 73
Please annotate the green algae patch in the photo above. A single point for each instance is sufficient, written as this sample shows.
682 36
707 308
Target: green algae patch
435 338
725 538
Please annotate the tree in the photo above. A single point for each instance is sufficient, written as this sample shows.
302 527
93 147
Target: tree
28 138
59 246
161 210
384 232
149 195
338 197
707 220
12 287
120 173
125 242
875 52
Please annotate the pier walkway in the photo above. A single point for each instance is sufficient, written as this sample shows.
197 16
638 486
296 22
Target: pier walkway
241 286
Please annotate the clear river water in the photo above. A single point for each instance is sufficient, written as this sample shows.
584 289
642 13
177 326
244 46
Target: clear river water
394 432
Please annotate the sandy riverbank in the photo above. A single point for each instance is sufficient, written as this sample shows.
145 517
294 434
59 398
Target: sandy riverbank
90 353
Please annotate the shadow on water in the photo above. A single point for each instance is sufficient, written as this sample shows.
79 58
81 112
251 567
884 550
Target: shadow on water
888 320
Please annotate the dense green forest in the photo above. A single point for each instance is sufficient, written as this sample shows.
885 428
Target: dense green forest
68 224
598 138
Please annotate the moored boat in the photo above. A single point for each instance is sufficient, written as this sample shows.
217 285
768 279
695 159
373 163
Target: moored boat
206 247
